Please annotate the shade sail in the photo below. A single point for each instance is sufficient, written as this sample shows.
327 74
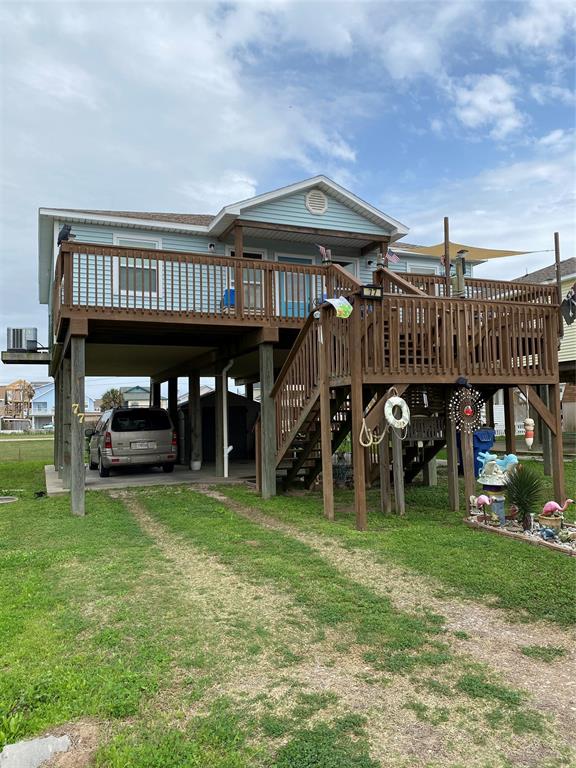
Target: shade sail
474 254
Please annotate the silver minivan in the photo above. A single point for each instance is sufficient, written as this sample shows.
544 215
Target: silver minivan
128 437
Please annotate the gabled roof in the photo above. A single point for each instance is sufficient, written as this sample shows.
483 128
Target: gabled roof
548 274
198 219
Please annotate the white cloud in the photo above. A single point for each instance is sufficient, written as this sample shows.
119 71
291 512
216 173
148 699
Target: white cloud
211 196
541 24
488 102
57 82
550 94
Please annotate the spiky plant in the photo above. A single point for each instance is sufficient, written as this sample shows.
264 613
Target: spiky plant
524 488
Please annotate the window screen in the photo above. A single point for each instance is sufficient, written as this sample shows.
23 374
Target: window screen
138 279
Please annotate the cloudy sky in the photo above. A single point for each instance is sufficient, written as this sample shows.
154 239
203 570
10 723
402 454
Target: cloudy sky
424 109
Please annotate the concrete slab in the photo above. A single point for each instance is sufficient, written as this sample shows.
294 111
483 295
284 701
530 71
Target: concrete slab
32 753
134 477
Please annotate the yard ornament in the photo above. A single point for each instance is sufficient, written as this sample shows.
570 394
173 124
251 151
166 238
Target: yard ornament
552 508
529 431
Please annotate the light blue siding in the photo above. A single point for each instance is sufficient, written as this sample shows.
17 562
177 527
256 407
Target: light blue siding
292 210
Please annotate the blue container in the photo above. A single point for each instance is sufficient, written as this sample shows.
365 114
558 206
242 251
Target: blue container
483 440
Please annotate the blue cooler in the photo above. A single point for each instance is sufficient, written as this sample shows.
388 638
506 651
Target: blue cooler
482 440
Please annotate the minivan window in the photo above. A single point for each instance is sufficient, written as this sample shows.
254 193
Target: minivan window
140 420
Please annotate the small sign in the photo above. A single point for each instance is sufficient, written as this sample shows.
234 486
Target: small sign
372 292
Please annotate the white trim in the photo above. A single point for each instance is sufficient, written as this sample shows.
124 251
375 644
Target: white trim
116 236
93 218
305 259
415 267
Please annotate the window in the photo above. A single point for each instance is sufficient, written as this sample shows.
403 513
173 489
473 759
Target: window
138 278
140 420
136 242
422 269
41 407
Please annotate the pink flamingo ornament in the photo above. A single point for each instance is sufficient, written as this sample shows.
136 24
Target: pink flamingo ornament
551 507
480 501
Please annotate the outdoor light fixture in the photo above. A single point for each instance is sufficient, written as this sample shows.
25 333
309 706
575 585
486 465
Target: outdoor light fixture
211 247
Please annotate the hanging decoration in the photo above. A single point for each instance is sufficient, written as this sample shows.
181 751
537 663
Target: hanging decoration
465 408
400 421
528 425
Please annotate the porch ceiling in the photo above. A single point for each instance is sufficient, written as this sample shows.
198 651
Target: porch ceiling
323 238
136 359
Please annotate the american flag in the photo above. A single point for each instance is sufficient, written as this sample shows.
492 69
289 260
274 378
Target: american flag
326 253
392 257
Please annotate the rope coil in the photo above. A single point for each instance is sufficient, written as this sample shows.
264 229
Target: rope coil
368 437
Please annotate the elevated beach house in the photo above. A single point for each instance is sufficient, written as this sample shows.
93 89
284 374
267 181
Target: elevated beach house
243 294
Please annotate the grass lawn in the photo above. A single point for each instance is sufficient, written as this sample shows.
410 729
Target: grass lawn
27 450
188 636
432 541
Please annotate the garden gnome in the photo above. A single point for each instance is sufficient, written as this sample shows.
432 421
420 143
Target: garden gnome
529 431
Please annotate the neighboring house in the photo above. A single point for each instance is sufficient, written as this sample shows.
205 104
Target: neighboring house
567 351
16 399
164 295
43 407
138 396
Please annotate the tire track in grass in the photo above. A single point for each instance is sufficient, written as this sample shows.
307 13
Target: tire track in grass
491 638
408 724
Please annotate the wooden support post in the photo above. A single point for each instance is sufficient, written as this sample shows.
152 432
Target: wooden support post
430 473
239 270
258 453
195 422
357 412
268 420
57 409
325 416
66 423
452 456
447 284
384 467
544 432
509 420
398 472
558 282
249 391
219 423
490 412
155 394
557 448
468 466
173 408
77 466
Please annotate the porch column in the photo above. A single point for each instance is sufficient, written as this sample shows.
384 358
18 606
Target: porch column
468 466
78 469
155 394
398 472
57 404
557 448
384 468
544 432
66 422
219 425
357 413
430 473
509 420
195 421
249 391
268 420
452 456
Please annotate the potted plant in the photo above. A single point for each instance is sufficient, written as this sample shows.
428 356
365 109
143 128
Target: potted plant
524 488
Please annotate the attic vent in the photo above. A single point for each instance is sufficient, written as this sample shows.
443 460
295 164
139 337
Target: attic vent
316 201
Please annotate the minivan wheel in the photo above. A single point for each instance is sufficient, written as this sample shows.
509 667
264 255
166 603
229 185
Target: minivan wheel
102 471
168 467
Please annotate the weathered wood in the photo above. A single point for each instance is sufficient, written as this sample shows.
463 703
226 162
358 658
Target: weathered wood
258 453
490 412
398 472
468 466
557 448
509 420
545 434
452 456
173 401
539 406
195 421
66 422
77 467
325 415
430 473
220 382
156 394
357 410
384 472
57 419
268 421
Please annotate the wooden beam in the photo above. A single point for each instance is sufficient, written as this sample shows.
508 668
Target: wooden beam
394 277
384 471
509 420
539 406
452 456
195 422
545 435
316 231
77 467
557 448
430 473
325 415
156 394
268 420
66 422
357 409
468 466
398 471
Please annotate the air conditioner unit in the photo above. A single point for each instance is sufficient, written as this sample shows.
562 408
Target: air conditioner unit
22 340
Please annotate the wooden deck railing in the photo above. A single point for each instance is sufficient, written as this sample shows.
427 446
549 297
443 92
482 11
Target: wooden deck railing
420 339
488 290
97 280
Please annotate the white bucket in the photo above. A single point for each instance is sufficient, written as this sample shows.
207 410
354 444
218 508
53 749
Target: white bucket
196 466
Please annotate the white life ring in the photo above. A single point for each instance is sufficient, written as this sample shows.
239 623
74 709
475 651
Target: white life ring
394 402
